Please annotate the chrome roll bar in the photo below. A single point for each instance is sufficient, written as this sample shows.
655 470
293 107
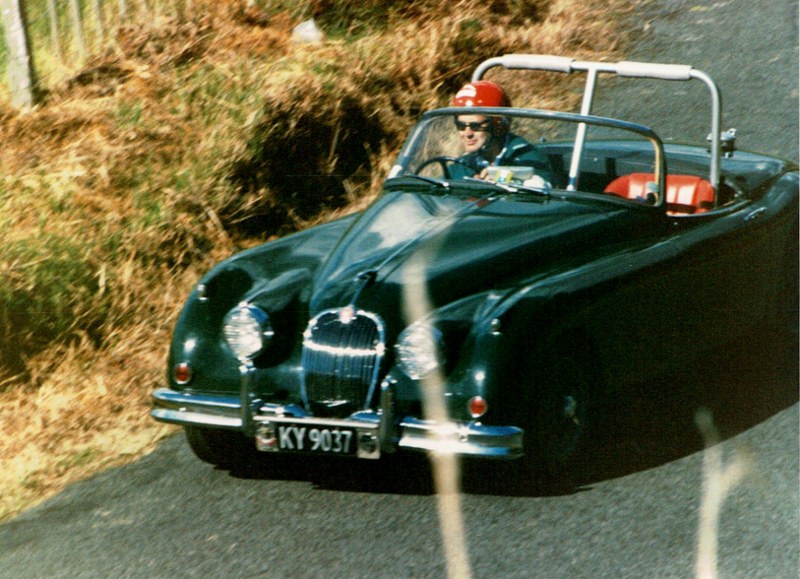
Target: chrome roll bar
628 69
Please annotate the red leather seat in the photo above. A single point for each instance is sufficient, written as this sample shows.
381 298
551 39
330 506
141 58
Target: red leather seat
686 194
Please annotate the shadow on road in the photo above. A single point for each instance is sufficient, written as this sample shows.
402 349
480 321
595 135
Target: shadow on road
742 384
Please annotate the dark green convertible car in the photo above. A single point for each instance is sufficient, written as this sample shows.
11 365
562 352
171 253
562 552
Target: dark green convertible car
483 302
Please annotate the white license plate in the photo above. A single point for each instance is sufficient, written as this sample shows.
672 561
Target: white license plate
319 439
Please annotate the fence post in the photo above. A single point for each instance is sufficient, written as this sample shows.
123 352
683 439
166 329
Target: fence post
52 15
77 29
98 19
21 72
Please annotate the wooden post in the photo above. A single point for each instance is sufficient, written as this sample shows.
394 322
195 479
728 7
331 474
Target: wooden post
21 72
98 19
55 40
77 29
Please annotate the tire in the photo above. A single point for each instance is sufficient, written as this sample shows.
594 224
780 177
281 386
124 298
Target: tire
561 412
223 448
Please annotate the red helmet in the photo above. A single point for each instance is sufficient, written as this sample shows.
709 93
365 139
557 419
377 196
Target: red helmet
481 93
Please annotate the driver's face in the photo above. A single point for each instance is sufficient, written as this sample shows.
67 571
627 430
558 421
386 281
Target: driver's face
473 130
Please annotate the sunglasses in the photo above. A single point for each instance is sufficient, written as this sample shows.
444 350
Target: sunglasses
476 126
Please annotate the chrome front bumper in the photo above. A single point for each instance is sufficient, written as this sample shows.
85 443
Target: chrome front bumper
197 409
463 439
376 431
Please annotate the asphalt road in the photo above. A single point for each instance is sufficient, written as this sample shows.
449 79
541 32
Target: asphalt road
633 511
749 47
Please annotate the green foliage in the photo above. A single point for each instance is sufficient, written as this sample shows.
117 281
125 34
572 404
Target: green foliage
190 137
48 290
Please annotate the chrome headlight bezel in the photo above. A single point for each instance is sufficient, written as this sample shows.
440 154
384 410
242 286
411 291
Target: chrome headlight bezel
420 350
247 331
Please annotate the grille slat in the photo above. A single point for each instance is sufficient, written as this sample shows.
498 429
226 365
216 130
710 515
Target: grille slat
342 353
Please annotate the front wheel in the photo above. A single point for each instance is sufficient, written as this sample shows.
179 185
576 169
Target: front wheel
560 413
224 448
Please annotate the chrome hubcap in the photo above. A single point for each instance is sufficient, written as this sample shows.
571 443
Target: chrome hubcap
570 409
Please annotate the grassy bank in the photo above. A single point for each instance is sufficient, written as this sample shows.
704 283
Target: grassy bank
168 150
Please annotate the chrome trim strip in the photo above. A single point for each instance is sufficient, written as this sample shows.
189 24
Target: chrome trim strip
328 422
464 439
295 413
272 409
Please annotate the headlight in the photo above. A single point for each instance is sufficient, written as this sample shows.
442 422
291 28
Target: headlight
247 331
419 350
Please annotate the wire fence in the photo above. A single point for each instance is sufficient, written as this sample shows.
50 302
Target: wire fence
63 34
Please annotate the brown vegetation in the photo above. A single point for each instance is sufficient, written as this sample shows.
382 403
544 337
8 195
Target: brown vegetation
189 139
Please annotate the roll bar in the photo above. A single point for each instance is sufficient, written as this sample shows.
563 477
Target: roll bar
629 69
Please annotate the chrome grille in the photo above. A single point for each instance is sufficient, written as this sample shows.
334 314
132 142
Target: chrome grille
342 353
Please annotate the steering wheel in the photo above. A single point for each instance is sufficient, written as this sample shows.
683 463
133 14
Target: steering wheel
444 162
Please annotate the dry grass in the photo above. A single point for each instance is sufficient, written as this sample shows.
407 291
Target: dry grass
166 152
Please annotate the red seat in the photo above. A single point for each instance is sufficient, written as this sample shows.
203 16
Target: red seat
685 193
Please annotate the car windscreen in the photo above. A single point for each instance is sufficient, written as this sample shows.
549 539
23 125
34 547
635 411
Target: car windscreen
514 148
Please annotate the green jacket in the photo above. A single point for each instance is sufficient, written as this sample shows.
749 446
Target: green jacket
516 151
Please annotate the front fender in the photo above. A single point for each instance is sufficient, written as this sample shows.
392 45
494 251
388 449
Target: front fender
276 275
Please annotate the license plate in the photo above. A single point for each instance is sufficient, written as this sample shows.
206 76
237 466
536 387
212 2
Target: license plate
321 439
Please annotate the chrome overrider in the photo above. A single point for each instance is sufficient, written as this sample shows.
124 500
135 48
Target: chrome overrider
376 432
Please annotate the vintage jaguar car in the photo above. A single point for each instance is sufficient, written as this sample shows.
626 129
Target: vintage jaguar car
482 315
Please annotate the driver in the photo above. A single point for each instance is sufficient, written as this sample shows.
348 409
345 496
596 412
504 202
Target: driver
487 140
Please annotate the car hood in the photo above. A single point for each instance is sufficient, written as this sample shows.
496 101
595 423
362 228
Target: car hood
458 246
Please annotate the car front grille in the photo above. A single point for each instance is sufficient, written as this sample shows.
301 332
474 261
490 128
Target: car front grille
342 353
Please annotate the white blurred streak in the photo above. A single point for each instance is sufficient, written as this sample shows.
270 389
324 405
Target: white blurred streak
718 481
445 466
